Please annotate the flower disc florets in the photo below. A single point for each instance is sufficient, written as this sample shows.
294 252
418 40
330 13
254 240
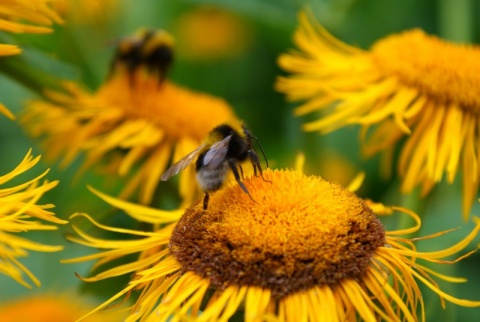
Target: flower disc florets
301 232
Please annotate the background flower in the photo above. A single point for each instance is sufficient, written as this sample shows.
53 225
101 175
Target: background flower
87 11
18 16
51 307
409 85
26 17
228 34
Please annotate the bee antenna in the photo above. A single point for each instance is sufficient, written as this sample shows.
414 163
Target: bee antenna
261 148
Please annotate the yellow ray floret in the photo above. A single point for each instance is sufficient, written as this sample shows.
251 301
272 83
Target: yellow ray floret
24 16
20 213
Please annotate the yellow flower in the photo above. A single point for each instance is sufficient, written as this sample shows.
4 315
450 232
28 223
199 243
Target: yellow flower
134 122
16 16
52 308
209 33
335 167
19 213
410 88
82 11
307 250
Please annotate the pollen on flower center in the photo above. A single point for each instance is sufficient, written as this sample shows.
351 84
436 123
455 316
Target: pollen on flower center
443 70
301 232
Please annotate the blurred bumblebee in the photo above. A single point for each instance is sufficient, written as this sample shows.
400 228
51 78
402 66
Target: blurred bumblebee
225 148
150 48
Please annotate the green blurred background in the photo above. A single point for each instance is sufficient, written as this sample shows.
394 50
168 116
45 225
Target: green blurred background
81 51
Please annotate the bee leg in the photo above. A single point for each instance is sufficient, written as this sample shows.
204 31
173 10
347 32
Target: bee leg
233 166
205 201
256 164
253 157
241 171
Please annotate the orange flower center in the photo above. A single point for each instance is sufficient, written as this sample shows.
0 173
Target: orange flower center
178 111
443 70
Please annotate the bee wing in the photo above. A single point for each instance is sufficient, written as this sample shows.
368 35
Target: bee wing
217 152
181 164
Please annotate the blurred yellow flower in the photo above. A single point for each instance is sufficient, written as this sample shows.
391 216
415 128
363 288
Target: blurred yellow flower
20 213
308 250
25 16
410 89
210 33
335 167
86 11
52 308
134 122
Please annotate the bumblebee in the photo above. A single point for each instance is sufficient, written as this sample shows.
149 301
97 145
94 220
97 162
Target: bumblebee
148 47
225 148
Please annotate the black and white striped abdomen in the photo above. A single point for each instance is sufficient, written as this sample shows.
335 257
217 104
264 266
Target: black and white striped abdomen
212 179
